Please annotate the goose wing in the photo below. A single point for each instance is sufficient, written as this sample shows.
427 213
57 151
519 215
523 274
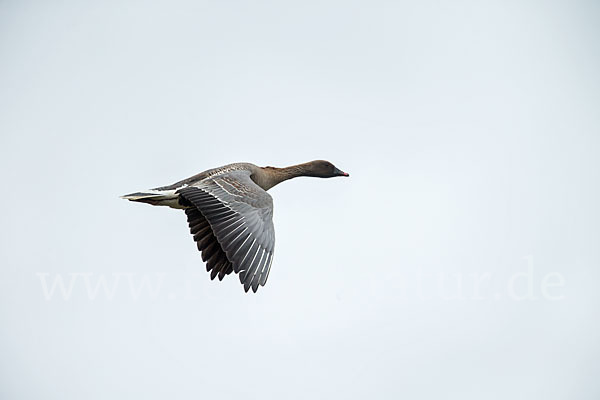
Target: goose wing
240 215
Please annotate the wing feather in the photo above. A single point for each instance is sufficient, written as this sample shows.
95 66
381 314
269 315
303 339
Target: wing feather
240 216
217 263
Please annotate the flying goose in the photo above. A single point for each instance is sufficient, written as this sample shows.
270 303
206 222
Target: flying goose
230 214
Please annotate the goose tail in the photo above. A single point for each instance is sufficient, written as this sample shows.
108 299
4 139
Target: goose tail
154 197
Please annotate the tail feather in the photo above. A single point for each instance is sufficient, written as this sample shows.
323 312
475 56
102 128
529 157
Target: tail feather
157 198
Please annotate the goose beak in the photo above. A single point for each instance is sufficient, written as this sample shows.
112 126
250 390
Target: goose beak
341 173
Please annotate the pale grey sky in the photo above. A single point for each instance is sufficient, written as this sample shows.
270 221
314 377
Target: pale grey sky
459 260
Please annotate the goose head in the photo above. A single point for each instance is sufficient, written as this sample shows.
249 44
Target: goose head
322 169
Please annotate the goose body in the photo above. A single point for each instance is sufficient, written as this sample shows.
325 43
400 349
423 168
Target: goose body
230 214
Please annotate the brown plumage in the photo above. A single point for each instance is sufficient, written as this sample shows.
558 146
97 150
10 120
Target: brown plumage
230 214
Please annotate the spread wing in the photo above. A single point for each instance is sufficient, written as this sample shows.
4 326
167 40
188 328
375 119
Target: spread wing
240 215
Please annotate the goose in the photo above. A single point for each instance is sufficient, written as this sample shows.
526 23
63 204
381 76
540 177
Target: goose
230 214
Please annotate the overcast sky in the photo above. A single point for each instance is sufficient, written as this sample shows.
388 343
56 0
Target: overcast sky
461 258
